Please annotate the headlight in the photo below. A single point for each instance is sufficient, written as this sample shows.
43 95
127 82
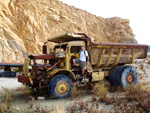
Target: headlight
29 67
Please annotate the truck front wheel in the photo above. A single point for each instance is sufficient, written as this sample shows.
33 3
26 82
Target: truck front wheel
60 86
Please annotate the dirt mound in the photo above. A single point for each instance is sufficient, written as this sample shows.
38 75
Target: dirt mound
26 24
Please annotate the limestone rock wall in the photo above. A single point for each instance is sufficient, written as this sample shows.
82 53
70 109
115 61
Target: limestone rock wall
26 24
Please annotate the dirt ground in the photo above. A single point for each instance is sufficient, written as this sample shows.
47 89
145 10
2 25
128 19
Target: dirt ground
10 83
20 102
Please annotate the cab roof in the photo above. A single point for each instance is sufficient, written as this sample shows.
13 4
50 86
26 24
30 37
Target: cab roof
66 37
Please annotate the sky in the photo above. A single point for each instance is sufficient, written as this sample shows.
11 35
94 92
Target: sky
137 11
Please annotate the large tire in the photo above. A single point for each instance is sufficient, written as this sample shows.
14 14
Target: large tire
118 75
113 74
128 75
60 86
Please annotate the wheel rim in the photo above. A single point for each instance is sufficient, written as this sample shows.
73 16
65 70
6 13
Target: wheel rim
130 78
62 88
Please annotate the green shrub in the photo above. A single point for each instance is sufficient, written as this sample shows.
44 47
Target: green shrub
148 62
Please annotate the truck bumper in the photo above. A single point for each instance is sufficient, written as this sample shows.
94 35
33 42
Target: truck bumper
24 79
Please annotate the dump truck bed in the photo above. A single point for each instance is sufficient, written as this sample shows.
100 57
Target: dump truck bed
108 54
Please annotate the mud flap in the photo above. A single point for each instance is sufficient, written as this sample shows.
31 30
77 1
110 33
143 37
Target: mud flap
24 79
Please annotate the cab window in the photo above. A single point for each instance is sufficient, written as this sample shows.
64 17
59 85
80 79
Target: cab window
61 47
75 49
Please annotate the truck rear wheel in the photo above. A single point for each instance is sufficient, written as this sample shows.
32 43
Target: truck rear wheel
60 86
113 75
127 75
118 75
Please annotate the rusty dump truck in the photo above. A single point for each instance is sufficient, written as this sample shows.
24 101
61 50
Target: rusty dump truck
58 74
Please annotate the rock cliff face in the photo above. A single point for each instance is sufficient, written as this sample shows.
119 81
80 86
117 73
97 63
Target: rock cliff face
26 24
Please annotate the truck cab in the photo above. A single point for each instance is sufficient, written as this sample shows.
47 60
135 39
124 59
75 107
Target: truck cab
70 51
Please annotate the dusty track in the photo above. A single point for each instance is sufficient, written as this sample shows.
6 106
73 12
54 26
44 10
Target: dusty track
9 83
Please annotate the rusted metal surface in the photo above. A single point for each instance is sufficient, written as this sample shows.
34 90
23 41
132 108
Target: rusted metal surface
45 73
110 57
24 79
101 57
54 65
133 54
118 44
121 45
42 56
62 87
66 37
118 56
122 53
130 78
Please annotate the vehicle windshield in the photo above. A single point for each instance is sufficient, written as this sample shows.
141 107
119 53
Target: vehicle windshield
60 48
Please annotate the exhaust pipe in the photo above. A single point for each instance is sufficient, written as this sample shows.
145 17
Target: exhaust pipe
45 48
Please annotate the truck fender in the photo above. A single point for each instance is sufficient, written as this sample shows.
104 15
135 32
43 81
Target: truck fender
68 73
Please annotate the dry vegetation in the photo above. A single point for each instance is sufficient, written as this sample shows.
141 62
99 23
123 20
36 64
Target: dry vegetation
6 104
135 99
124 100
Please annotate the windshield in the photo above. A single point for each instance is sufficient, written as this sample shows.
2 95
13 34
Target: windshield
75 49
60 48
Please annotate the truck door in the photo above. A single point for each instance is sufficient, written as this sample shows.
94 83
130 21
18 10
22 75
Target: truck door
74 54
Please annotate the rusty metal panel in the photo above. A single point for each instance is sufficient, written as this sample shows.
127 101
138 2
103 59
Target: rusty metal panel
97 76
139 53
122 45
110 56
66 37
120 54
42 56
102 57
24 79
95 55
